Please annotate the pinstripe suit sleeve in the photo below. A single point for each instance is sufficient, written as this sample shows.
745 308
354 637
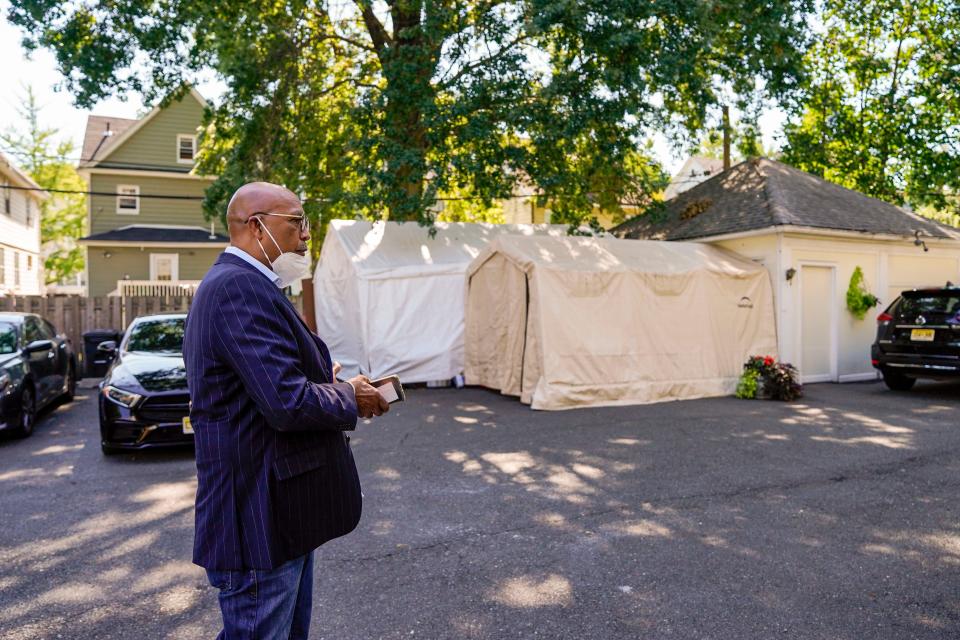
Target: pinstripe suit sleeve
255 340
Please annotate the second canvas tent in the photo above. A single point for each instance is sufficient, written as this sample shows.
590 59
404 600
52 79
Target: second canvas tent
569 322
389 295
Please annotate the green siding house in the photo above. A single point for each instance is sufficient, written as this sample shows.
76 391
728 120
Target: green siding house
148 235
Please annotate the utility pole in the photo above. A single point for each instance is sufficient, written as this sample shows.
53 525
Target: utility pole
726 137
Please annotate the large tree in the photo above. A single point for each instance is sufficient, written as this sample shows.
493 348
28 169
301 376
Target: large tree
881 110
384 107
42 152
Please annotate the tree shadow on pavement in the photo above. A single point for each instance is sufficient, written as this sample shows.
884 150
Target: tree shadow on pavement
830 517
113 558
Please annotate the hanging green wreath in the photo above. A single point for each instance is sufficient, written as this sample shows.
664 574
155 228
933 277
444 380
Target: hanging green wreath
859 300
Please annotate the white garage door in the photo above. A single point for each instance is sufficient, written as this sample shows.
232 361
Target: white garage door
918 272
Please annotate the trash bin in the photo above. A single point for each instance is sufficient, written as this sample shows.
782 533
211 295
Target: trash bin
96 363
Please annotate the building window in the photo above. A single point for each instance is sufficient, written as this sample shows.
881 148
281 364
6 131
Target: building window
186 148
29 262
128 199
6 198
3 266
16 268
27 219
164 266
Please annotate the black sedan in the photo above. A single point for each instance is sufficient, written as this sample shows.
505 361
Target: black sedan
37 367
918 336
144 402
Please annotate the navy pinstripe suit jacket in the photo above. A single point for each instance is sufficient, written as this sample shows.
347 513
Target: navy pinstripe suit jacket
275 474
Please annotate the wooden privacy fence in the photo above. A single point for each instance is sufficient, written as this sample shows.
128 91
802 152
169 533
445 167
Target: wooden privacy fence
75 315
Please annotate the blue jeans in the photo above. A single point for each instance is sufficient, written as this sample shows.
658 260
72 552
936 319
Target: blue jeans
271 604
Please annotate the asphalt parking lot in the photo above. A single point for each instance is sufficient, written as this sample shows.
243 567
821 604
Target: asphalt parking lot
832 517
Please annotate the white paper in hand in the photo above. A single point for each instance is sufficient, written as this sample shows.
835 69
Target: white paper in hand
388 393
389 389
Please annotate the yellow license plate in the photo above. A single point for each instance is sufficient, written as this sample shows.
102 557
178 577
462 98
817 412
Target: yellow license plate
923 335
187 427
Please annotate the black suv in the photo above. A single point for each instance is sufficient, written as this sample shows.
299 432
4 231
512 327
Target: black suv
918 336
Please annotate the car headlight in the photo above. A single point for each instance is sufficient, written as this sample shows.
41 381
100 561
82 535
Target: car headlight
4 380
125 398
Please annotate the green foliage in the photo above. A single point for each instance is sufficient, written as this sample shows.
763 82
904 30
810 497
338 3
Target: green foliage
881 110
376 109
747 385
463 206
63 216
859 300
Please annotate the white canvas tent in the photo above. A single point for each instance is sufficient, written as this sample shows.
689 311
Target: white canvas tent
389 298
573 322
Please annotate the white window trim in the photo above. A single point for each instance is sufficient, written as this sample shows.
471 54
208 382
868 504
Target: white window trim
135 194
174 271
193 140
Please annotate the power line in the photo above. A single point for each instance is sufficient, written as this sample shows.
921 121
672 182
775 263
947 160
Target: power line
105 193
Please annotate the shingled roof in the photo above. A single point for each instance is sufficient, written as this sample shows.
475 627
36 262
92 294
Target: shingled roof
761 193
145 233
95 143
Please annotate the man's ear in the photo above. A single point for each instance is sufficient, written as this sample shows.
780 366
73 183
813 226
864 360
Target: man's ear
254 227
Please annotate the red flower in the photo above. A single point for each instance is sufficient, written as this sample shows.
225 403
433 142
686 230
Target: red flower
768 360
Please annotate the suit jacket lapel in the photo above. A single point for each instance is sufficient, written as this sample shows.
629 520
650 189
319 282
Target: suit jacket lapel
325 361
326 365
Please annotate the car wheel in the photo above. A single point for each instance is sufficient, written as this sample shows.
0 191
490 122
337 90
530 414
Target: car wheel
897 382
70 385
28 413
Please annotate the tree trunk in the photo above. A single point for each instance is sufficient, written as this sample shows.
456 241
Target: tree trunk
409 60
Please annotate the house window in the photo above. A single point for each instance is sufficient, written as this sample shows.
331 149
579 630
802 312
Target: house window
3 266
128 199
6 198
29 262
16 268
27 219
186 148
164 266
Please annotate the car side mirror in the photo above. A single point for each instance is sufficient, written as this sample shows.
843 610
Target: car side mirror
108 347
39 345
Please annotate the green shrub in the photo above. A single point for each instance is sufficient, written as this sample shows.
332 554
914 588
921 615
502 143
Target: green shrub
747 386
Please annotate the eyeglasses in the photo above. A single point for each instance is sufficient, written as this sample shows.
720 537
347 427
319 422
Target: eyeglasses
300 221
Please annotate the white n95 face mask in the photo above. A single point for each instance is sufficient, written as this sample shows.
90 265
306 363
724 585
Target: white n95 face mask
288 266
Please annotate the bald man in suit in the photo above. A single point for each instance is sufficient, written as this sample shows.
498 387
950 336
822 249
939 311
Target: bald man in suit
276 476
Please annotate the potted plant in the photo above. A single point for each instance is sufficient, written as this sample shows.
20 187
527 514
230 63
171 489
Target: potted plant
764 378
859 300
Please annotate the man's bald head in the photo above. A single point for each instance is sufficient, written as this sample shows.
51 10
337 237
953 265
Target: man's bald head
260 197
278 208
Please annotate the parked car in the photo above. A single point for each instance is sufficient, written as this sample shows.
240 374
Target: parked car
37 367
144 402
918 336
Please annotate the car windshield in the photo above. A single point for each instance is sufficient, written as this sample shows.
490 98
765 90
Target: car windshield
8 338
157 336
933 306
